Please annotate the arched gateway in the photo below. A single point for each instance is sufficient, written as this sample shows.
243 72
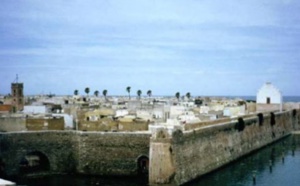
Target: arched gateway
143 164
34 162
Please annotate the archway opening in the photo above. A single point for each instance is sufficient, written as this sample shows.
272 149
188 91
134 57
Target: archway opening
34 162
143 165
2 169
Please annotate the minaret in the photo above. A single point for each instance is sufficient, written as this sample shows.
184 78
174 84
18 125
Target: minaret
17 95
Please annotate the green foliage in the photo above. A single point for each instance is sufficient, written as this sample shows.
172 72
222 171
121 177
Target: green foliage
149 93
96 93
104 92
188 95
87 90
177 95
139 93
128 90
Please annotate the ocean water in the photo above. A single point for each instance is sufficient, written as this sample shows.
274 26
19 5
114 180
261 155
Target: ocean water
253 98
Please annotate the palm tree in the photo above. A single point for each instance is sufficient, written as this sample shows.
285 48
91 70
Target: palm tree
104 92
87 90
149 93
177 95
128 90
96 93
139 92
188 95
76 92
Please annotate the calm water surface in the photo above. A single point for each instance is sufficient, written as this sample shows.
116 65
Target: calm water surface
277 165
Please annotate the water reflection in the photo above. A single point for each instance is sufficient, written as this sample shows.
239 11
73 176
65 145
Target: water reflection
276 164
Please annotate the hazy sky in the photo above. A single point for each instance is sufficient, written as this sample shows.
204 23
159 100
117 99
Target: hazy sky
206 47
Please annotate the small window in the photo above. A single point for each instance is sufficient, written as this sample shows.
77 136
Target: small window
268 100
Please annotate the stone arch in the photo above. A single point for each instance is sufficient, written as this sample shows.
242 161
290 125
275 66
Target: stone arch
34 162
142 164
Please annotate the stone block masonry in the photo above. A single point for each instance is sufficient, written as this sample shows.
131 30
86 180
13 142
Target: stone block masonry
174 158
184 156
99 153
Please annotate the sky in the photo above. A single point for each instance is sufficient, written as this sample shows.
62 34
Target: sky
205 47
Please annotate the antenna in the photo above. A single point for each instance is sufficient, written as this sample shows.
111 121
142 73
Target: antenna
17 78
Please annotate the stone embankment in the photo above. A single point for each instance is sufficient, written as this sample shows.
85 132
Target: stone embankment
101 153
184 156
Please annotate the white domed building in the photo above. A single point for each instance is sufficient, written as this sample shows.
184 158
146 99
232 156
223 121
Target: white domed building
268 98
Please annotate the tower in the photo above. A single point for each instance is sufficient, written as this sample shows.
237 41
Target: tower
17 95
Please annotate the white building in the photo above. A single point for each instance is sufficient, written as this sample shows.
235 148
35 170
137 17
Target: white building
32 109
269 94
268 98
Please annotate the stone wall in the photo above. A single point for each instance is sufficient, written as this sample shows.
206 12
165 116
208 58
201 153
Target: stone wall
110 125
45 123
59 147
111 153
187 155
8 124
267 107
105 153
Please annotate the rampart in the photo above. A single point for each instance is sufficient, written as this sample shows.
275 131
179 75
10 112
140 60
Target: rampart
174 158
99 153
184 156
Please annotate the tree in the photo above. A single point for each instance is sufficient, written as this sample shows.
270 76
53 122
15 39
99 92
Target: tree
177 95
139 93
128 90
104 92
96 93
188 95
76 92
87 90
149 93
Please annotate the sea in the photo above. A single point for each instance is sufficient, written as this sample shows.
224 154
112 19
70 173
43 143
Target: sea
253 98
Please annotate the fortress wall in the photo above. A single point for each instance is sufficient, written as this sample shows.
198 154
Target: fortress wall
59 147
110 153
185 156
105 153
267 107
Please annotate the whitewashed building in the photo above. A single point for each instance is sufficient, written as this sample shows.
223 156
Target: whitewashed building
268 98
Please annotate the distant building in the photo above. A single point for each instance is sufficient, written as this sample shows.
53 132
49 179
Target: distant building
268 98
17 96
33 109
5 109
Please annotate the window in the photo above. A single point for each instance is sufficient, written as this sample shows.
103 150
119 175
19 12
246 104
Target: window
268 100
